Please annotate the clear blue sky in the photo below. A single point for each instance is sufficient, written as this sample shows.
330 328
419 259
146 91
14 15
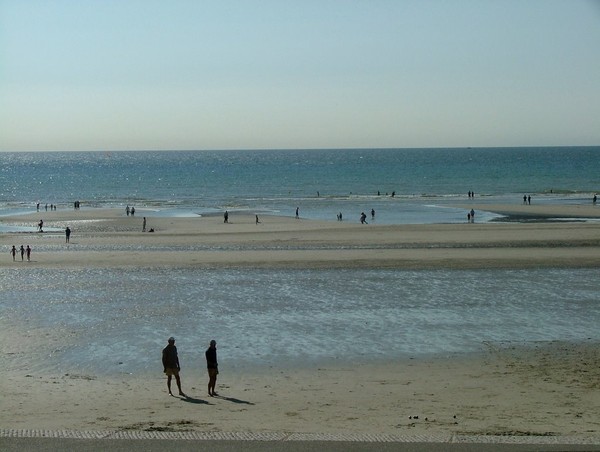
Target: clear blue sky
193 74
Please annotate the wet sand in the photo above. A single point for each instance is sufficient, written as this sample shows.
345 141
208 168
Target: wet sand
507 389
102 238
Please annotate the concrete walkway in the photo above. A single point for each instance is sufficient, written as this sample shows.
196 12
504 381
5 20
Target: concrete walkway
40 440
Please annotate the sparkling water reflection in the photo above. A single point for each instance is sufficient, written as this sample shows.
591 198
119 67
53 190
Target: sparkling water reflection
118 320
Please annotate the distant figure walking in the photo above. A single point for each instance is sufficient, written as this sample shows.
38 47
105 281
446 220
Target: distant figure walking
22 250
132 211
67 234
594 199
170 361
529 200
257 220
372 214
363 218
127 210
41 226
226 217
144 225
28 251
212 366
13 251
524 199
472 216
297 213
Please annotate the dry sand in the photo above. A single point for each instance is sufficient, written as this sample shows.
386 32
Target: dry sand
538 389
521 389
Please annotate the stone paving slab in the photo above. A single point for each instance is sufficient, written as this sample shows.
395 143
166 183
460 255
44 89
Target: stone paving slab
274 436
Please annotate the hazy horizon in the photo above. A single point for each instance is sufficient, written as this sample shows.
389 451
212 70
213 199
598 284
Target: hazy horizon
450 148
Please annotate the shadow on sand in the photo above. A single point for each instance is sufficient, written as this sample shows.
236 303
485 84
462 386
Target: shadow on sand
189 399
234 400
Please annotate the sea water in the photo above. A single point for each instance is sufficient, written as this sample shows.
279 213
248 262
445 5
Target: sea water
117 321
425 183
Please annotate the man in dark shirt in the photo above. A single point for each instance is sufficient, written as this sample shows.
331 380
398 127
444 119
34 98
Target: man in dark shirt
170 362
212 366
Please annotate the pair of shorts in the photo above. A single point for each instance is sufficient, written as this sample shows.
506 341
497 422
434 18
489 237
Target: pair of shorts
172 371
213 372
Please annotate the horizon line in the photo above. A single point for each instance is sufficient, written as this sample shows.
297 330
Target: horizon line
308 149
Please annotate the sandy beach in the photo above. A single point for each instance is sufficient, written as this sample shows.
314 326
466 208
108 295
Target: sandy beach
547 388
299 243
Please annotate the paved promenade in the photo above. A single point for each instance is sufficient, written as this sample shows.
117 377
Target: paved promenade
40 440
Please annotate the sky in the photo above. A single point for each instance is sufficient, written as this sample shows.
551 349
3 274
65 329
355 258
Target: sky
307 74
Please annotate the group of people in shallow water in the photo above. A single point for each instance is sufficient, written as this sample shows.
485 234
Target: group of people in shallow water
171 366
52 207
363 216
24 251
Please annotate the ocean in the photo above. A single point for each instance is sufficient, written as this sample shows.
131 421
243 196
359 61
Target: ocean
321 183
108 321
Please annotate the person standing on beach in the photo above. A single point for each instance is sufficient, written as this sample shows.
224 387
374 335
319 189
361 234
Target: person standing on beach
226 217
28 251
22 249
67 234
297 212
144 225
212 367
13 251
170 361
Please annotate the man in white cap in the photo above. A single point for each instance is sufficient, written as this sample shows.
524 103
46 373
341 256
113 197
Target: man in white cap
171 367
